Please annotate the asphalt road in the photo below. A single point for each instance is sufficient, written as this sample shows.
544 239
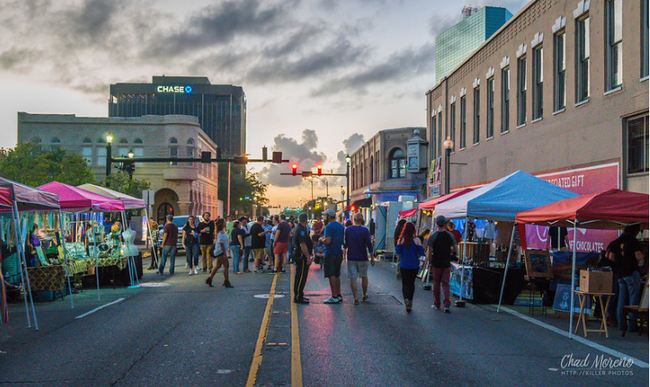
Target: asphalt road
181 332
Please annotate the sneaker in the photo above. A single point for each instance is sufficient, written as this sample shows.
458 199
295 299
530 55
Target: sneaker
259 271
301 301
447 310
284 271
331 300
191 272
340 298
435 307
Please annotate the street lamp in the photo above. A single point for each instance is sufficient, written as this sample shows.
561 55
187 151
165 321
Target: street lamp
327 186
130 154
109 159
448 144
348 159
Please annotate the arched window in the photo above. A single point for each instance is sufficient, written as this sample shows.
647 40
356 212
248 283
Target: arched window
397 164
101 141
56 140
36 140
87 141
56 144
124 141
173 149
137 141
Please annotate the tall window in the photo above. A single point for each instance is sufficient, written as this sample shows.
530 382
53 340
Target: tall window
397 163
190 151
372 171
477 114
434 136
87 151
101 156
645 30
637 145
559 70
521 91
505 100
55 144
452 123
173 150
614 44
463 121
440 130
582 59
538 82
490 108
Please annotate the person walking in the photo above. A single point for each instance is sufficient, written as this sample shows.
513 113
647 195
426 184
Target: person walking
451 227
191 244
359 246
410 249
625 252
258 242
155 247
302 256
333 241
206 241
274 227
170 239
281 247
236 245
441 246
268 247
221 252
243 221
371 228
398 231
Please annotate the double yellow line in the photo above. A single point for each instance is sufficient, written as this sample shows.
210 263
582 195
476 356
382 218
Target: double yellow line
296 365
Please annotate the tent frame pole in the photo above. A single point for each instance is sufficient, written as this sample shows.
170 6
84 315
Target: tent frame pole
154 255
505 272
65 257
573 277
96 253
21 255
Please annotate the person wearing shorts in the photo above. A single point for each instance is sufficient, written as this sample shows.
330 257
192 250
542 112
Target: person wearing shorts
357 241
206 241
333 241
221 252
258 242
281 246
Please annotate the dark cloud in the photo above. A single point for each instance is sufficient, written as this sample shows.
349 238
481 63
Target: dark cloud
17 58
94 17
303 153
398 66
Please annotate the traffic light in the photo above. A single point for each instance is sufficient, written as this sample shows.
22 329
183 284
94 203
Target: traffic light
352 208
320 169
294 169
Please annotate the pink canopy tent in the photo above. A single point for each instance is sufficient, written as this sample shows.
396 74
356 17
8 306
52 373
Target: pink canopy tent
28 198
130 203
5 197
75 199
431 204
408 213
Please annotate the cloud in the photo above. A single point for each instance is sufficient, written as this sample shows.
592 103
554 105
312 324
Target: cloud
302 153
398 66
439 23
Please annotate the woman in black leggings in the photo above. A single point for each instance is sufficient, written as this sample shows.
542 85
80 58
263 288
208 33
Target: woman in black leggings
410 249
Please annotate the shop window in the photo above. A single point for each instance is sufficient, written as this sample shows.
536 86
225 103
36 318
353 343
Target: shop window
614 44
490 108
582 59
397 164
538 82
637 145
477 114
559 70
521 91
505 100
463 121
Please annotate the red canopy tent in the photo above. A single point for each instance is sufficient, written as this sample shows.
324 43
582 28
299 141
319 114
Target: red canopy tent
612 209
408 213
5 197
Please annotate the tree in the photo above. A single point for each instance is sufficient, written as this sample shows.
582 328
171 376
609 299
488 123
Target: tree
29 164
122 182
246 191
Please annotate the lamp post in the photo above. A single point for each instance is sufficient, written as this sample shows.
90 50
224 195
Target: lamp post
348 159
448 144
109 159
327 186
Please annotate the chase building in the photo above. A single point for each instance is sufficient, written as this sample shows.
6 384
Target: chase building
221 109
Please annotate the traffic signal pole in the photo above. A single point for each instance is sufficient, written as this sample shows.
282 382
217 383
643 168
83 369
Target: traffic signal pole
320 173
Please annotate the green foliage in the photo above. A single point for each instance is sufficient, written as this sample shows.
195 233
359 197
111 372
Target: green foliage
28 164
243 183
122 182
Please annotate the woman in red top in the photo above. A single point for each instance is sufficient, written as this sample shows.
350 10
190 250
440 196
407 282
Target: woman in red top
452 229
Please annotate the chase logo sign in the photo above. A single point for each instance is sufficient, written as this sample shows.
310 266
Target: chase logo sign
174 89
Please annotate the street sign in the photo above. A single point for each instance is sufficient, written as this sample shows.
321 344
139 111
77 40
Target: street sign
148 196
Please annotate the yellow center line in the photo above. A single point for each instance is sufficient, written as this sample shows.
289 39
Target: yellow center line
296 364
261 338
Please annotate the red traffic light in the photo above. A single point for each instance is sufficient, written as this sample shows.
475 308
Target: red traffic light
352 208
320 169
294 168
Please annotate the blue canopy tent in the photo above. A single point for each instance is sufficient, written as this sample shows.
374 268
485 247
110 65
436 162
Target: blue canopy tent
501 200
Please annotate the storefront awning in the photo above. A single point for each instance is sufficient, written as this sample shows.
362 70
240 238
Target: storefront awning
361 203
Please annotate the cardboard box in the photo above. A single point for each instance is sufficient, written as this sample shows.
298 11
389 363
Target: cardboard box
596 281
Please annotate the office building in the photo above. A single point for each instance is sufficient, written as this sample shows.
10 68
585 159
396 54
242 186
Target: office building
456 43
180 188
221 109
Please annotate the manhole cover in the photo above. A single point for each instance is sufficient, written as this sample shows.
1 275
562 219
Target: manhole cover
267 296
154 285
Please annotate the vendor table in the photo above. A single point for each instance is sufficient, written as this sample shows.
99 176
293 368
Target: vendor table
603 308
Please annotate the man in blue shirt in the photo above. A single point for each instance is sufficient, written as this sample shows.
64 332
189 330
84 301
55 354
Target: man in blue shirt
333 241
357 241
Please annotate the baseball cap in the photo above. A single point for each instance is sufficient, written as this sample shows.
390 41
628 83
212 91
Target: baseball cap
330 212
441 221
